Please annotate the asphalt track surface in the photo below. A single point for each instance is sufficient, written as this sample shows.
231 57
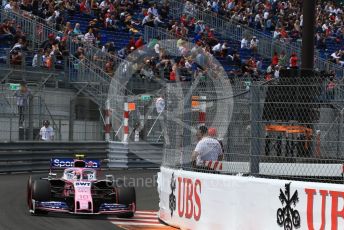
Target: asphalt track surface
14 214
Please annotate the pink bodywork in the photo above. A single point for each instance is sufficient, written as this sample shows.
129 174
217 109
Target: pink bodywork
82 189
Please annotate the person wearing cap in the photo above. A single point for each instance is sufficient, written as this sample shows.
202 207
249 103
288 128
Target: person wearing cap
212 132
48 44
46 133
207 148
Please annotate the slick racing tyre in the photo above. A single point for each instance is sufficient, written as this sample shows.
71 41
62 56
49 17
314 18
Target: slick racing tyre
127 196
29 190
40 191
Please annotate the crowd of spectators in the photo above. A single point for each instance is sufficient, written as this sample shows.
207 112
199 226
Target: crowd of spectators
283 19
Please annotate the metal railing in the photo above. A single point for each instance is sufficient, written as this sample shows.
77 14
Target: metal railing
236 31
95 59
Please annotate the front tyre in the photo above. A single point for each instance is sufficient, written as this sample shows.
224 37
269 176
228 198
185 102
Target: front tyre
40 191
126 196
30 181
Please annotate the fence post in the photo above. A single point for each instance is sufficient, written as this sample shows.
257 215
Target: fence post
126 123
187 139
255 129
71 119
202 110
30 134
340 127
107 125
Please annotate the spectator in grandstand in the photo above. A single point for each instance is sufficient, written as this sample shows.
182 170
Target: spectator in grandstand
337 57
254 44
89 37
46 133
48 44
207 149
122 53
22 95
164 10
139 43
37 60
330 89
109 68
68 29
199 27
277 72
189 9
244 43
20 46
148 20
157 22
5 32
9 6
16 57
224 49
274 60
47 59
293 61
217 48
235 58
153 10
77 31
282 59
79 52
269 72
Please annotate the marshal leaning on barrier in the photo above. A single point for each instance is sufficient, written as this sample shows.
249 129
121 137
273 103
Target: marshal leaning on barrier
207 149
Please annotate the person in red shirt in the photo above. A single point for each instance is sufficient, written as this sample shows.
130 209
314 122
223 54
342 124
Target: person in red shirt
275 59
293 60
184 20
139 42
131 42
283 33
173 73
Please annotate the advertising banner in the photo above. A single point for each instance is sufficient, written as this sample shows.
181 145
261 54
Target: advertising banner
193 200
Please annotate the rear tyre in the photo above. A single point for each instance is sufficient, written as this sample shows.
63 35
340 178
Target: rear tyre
126 196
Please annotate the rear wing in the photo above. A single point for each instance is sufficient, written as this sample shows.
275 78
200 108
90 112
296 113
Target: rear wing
62 163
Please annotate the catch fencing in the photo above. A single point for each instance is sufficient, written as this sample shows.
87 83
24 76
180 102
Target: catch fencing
290 127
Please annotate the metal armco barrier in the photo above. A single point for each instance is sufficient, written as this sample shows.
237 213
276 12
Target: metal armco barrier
135 155
35 156
145 154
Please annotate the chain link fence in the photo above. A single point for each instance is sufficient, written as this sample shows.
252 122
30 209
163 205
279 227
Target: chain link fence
71 117
290 127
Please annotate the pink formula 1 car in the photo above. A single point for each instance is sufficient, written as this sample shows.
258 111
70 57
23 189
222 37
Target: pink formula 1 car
79 191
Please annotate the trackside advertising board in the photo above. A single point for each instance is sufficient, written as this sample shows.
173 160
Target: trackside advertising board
192 200
69 163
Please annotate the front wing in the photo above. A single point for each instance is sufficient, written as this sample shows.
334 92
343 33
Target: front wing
62 207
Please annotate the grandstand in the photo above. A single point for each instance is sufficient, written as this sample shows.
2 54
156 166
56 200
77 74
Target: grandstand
76 50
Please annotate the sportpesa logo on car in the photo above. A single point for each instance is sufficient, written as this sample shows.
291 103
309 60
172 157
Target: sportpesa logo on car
69 162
